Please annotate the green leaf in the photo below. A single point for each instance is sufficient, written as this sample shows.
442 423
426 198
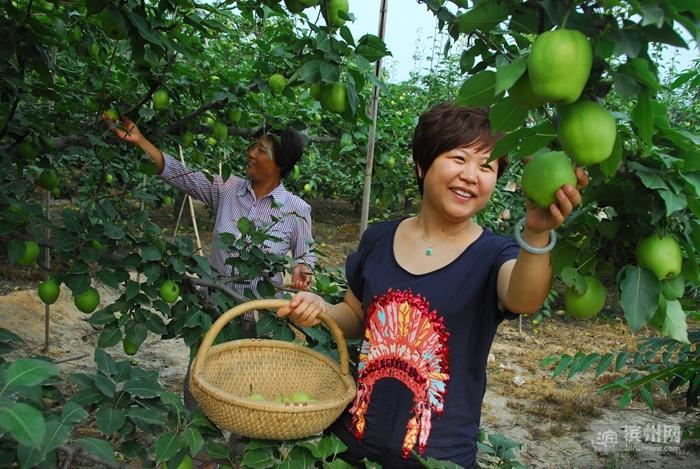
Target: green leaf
693 180
625 400
146 418
563 363
112 278
172 400
673 287
100 448
639 295
245 226
664 34
132 289
298 458
109 337
576 363
327 446
102 317
646 395
28 456
626 41
23 422
135 332
640 70
257 458
508 74
109 420
167 445
217 450
621 360
9 336
643 118
28 372
309 71
505 115
143 387
194 440
106 385
588 361
609 165
509 142
675 325
113 231
650 177
478 90
371 47
625 85
72 413
572 278
143 28
674 202
15 250
483 17
105 363
542 135
87 397
603 364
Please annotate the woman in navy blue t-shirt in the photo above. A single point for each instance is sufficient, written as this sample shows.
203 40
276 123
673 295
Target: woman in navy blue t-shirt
427 294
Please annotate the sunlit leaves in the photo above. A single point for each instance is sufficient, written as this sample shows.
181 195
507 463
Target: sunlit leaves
479 90
24 423
639 295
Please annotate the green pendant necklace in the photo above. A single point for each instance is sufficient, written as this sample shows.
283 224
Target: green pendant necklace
428 250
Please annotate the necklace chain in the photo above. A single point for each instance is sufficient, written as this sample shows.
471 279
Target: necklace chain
428 251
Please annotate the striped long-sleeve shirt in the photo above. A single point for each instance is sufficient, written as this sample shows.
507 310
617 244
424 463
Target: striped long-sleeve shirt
234 198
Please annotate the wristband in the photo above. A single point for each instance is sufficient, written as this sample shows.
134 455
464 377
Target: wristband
532 249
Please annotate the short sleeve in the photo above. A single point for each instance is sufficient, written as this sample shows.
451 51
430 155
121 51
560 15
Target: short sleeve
355 261
508 251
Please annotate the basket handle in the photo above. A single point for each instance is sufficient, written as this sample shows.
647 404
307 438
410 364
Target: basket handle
229 315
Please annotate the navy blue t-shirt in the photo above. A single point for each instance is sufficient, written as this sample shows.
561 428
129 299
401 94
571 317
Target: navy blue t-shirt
422 370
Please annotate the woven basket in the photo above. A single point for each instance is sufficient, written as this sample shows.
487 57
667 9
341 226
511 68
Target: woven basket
224 376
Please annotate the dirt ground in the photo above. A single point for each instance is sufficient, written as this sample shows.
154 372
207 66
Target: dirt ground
559 423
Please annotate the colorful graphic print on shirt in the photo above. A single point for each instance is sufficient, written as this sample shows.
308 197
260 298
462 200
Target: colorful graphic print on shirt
406 341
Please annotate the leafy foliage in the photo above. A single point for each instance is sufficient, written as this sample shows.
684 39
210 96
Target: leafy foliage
67 63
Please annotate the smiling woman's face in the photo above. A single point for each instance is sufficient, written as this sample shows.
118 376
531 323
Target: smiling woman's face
261 161
460 182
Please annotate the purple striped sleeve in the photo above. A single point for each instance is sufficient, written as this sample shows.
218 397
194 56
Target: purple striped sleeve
191 182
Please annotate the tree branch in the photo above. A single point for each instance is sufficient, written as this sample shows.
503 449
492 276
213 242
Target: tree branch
72 358
173 128
217 285
154 87
13 110
72 452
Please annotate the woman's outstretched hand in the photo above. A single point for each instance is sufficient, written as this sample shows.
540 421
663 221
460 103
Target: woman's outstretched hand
304 308
127 131
568 197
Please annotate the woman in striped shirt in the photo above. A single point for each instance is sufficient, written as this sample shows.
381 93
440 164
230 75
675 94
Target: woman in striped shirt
261 197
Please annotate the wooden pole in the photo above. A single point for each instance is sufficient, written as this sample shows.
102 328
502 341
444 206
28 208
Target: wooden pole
141 207
373 127
197 241
47 264
47 235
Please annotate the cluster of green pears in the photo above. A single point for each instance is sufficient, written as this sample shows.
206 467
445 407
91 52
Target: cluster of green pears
558 68
297 397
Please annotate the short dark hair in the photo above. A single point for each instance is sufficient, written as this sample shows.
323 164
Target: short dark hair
287 147
448 126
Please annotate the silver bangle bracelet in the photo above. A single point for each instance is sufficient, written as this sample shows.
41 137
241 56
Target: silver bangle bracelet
532 249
